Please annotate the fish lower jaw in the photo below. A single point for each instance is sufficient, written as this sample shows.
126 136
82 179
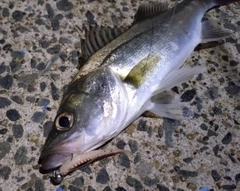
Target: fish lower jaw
83 158
53 161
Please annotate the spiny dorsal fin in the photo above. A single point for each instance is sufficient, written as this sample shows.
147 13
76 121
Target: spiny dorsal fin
97 37
149 10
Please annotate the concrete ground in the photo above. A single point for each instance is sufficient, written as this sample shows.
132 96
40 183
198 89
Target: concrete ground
39 45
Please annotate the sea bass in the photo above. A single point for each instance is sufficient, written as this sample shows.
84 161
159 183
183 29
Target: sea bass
125 77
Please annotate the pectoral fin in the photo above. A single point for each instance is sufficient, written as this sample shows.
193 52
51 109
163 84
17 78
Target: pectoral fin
179 76
164 102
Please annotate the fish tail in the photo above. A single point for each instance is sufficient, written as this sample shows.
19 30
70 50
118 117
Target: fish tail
210 30
209 4
221 2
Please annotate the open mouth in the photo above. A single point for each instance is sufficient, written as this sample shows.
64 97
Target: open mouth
58 165
52 161
82 158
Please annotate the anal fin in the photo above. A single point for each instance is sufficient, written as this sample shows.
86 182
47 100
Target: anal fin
211 31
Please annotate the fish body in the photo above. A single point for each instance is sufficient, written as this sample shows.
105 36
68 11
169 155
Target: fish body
126 78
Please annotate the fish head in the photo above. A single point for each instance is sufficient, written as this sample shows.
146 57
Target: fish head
91 113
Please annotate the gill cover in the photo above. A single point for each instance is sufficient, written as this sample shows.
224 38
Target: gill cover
90 114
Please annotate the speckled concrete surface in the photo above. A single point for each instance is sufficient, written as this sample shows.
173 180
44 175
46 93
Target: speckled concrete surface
39 46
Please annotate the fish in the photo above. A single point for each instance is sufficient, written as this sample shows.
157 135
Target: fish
127 72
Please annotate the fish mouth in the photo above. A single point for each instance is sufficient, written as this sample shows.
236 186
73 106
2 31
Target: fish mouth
52 161
67 163
84 158
53 157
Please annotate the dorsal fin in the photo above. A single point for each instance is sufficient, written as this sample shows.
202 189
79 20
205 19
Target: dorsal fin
97 37
149 10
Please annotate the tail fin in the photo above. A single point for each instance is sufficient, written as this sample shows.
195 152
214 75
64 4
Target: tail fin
209 4
224 2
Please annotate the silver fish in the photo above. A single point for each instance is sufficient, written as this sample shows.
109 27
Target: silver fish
125 78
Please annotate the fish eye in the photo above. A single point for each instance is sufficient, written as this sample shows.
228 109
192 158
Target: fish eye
64 121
